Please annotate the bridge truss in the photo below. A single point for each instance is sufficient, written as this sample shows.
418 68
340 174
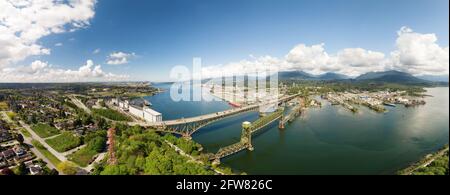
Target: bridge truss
246 136
188 128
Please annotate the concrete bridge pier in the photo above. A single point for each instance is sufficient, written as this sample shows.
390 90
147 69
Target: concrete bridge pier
281 123
187 136
216 161
250 147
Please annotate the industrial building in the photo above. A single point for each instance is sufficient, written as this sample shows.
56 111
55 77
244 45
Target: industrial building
143 112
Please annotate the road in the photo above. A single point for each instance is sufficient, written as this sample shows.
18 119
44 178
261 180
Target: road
38 154
60 156
99 158
73 150
79 104
428 162
51 137
27 140
36 137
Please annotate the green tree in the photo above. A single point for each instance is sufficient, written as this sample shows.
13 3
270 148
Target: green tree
6 171
21 169
68 168
142 151
101 123
97 144
20 139
53 172
115 170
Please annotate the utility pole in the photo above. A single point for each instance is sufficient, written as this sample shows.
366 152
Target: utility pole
112 160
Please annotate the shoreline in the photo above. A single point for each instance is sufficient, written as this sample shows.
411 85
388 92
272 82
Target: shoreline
424 161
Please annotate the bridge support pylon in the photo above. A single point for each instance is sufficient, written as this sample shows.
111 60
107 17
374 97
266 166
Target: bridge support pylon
281 123
246 136
187 136
250 147
216 161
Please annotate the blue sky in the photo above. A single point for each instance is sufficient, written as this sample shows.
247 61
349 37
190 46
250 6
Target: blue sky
165 33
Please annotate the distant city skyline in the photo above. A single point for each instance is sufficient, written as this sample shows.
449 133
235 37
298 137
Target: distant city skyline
89 40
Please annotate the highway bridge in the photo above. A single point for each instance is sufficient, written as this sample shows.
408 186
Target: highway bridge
187 126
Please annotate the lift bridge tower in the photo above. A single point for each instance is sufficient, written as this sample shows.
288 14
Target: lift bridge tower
246 136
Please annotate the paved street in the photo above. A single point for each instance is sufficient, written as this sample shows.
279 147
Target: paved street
99 158
36 137
80 104
27 140
73 150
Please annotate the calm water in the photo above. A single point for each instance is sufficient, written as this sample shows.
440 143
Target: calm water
327 140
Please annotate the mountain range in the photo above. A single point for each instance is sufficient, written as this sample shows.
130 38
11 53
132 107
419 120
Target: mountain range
391 76
442 78
301 75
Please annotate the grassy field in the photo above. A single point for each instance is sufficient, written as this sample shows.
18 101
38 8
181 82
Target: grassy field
138 94
95 143
111 114
83 156
116 93
3 106
11 115
45 152
45 130
64 142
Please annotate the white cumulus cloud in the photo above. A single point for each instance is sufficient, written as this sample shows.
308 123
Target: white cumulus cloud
38 65
419 54
246 66
119 58
307 58
356 61
24 22
415 53
39 71
311 59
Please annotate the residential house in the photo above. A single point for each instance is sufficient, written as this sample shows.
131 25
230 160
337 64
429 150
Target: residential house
8 154
35 170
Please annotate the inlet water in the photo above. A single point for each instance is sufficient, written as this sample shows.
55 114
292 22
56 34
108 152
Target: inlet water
327 140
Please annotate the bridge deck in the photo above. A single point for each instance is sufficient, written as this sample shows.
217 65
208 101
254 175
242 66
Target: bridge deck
239 146
206 117
264 121
229 150
295 112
